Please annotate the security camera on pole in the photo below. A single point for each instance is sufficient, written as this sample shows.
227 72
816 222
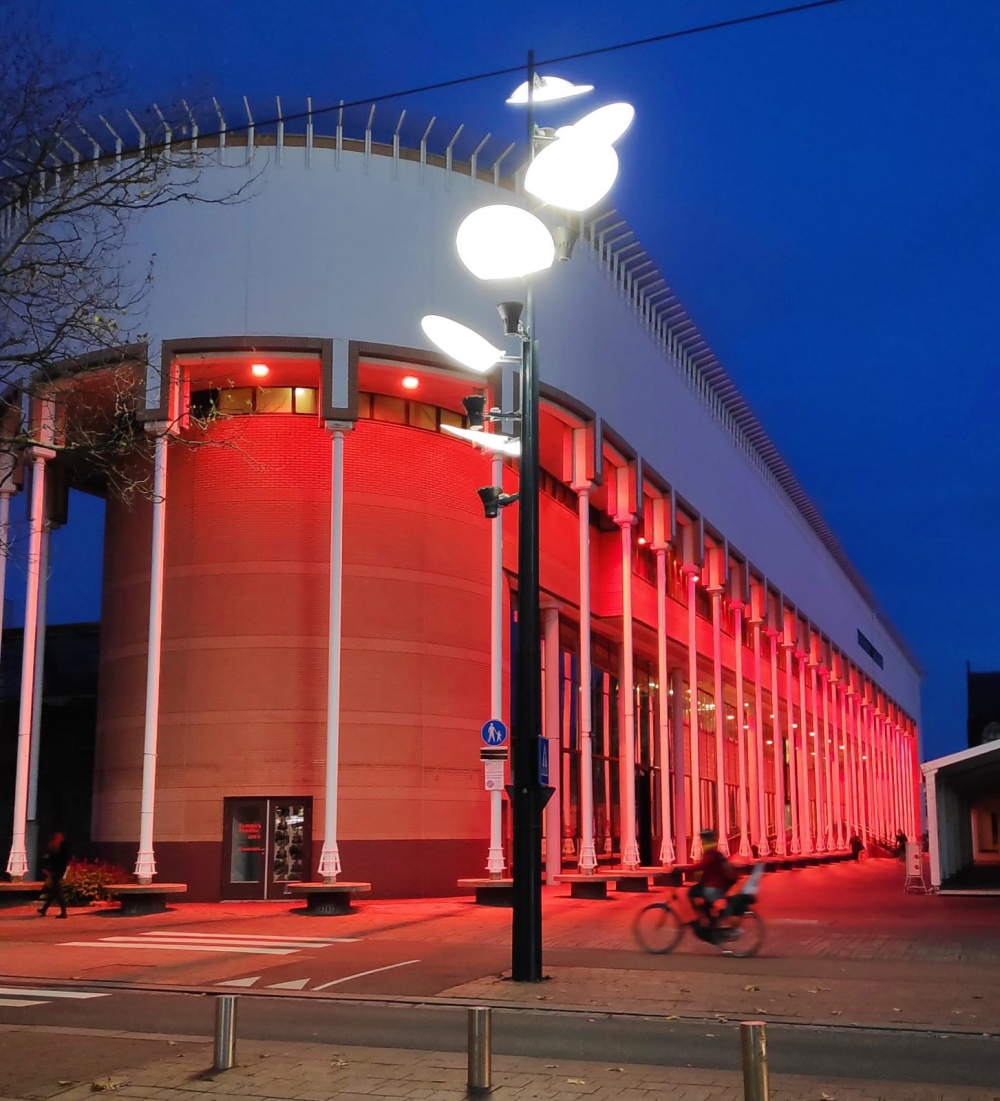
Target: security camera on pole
571 170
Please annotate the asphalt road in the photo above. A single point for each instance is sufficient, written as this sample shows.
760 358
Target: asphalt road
888 1054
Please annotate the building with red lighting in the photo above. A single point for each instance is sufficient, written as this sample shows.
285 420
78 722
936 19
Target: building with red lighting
297 617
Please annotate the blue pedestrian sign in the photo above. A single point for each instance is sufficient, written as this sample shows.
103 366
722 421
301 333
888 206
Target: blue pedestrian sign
543 761
494 733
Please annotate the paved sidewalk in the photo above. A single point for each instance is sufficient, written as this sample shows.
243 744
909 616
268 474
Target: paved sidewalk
42 1065
937 998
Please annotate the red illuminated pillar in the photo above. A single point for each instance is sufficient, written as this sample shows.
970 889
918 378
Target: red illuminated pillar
742 729
817 755
630 847
837 777
693 725
790 727
829 759
720 717
552 734
780 825
802 776
588 856
758 801
661 535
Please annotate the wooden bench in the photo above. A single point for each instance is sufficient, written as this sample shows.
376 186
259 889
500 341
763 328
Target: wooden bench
587 886
138 899
490 892
19 892
327 899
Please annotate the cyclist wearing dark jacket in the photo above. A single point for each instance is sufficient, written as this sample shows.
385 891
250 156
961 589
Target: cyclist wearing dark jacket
715 876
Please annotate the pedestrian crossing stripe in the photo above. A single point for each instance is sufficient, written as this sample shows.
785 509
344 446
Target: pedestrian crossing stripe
180 940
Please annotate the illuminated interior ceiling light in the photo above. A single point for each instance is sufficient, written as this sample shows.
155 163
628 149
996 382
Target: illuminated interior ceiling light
461 343
488 441
259 370
548 89
504 242
410 382
607 124
642 540
573 173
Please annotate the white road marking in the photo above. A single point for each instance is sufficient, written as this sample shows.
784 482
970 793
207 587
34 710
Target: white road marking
152 945
18 1003
167 938
361 974
24 991
311 941
295 984
240 982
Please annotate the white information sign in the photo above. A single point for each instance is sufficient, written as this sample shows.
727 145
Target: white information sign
494 775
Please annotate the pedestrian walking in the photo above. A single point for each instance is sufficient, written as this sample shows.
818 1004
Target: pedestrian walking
54 864
857 847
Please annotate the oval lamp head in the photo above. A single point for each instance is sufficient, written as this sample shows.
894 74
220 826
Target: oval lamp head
504 242
573 173
606 124
461 343
548 89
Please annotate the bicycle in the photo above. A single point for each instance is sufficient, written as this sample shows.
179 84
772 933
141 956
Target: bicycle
738 930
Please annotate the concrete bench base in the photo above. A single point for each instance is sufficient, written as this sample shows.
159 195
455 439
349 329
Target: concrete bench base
18 893
587 886
633 880
328 899
490 892
138 899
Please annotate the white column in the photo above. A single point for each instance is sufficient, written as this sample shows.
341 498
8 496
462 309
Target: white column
553 735
588 857
851 764
802 780
819 749
692 582
663 701
720 728
913 774
933 843
17 862
329 861
145 864
793 756
494 858
760 802
680 801
38 694
838 792
630 847
780 831
741 734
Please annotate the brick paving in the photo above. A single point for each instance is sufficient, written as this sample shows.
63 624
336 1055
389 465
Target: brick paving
149 1071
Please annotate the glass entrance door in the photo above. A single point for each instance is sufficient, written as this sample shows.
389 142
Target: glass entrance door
265 846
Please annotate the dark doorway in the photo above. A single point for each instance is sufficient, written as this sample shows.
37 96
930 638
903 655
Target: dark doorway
644 812
265 845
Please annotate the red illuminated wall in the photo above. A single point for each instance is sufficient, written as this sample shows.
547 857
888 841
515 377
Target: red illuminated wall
244 678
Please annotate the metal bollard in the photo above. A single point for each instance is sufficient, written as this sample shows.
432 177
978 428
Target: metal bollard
480 1078
753 1041
224 1057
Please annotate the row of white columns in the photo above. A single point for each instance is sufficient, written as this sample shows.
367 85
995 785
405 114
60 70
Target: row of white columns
850 767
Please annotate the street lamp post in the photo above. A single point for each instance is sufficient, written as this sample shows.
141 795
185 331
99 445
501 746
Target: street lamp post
575 168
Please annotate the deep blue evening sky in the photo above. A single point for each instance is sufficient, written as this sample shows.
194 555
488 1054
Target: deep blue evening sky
821 190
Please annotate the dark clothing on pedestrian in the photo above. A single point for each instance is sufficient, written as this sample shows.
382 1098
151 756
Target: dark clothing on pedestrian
54 863
857 847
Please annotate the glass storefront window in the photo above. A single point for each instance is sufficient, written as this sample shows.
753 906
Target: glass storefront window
289 824
246 858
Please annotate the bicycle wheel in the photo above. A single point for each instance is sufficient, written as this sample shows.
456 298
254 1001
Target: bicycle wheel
746 935
657 928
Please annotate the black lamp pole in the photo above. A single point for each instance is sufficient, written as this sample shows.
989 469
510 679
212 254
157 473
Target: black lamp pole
527 795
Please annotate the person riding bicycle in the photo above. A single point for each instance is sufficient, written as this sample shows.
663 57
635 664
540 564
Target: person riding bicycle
715 875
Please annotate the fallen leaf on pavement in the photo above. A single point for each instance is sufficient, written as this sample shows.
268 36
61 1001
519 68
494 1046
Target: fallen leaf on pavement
672 1017
551 1066
812 991
108 1083
757 1009
826 1097
64 1082
542 997
618 1070
712 1034
576 1081
338 1063
684 990
837 1012
895 1010
171 1043
591 1020
978 997
749 988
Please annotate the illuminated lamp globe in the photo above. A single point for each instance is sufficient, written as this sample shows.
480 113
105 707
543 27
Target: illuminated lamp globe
548 89
572 173
462 344
504 242
488 441
606 124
